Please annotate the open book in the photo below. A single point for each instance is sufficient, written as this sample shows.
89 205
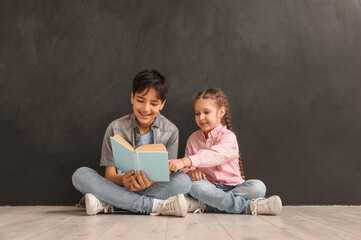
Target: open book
151 158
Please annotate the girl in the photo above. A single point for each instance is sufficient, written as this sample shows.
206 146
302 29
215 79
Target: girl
213 162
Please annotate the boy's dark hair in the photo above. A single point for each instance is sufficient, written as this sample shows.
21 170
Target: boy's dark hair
148 79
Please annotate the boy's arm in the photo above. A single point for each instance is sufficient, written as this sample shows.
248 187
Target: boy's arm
112 175
131 180
124 180
172 145
106 158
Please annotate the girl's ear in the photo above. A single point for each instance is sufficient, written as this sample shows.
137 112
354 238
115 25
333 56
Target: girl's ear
222 111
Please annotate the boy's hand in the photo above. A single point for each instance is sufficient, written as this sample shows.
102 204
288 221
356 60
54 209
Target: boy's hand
127 180
139 181
196 175
175 165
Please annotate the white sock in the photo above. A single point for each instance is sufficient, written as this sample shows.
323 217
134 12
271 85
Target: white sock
155 205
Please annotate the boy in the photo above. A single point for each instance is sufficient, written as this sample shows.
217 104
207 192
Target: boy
132 191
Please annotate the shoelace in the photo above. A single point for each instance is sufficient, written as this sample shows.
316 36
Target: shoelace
163 207
108 207
167 207
104 206
81 203
198 210
255 210
194 205
260 206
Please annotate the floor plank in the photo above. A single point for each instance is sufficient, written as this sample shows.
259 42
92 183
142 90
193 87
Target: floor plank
347 219
251 227
31 221
79 227
295 222
300 222
196 226
136 227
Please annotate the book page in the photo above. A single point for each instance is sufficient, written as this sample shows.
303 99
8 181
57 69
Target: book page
123 142
151 148
154 164
125 158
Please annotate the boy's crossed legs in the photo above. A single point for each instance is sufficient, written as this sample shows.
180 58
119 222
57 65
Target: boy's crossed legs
87 181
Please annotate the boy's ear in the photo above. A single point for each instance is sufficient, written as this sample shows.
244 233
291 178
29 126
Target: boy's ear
162 104
131 98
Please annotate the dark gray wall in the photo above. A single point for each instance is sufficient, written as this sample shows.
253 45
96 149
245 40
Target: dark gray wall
291 70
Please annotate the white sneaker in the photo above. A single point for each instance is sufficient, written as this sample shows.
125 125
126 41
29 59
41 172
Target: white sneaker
267 206
194 206
174 206
93 205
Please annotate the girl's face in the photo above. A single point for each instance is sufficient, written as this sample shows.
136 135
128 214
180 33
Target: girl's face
207 115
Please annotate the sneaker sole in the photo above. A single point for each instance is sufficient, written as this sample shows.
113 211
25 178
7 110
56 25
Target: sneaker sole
182 205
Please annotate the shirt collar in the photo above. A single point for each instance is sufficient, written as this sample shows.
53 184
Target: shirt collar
215 132
134 123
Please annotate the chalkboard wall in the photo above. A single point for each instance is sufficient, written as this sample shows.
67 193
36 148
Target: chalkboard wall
291 70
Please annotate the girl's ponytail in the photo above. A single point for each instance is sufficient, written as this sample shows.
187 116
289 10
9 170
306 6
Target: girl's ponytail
229 126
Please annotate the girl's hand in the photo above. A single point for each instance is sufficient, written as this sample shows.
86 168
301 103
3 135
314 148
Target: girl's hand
175 164
196 175
139 181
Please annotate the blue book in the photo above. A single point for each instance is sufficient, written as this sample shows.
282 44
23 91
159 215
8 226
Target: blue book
151 158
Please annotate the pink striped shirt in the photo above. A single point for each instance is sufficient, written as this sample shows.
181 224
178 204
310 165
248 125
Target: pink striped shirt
216 156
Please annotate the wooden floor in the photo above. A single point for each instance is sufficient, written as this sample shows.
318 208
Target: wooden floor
295 222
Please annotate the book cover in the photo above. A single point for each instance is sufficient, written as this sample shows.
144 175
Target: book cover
151 158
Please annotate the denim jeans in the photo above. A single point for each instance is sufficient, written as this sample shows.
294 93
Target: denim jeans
87 180
226 198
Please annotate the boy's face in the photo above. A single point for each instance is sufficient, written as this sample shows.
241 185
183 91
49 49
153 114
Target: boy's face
146 106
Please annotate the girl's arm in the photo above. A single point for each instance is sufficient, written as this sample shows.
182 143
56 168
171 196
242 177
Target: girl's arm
188 162
225 150
181 163
177 164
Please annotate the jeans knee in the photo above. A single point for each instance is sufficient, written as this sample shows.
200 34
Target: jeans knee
184 183
77 175
258 188
200 188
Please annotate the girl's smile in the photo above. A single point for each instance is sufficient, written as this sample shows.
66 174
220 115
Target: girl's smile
207 115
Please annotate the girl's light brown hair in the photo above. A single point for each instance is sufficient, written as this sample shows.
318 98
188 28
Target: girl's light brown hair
220 100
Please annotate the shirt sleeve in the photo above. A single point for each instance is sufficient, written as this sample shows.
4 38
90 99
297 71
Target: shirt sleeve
106 158
172 145
224 151
187 153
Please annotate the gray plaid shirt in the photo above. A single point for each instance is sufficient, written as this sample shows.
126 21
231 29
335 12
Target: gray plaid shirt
164 131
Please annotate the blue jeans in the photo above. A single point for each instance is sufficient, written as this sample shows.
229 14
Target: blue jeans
87 180
226 198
